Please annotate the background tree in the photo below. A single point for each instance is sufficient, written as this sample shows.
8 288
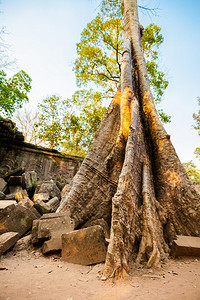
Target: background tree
25 120
49 127
82 116
192 172
14 90
196 117
100 52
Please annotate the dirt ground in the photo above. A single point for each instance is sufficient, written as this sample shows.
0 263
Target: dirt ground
31 276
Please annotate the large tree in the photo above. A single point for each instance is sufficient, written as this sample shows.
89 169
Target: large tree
132 176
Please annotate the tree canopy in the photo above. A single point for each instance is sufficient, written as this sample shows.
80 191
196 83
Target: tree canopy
100 53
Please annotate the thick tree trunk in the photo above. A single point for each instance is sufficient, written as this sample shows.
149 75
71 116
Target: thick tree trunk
132 176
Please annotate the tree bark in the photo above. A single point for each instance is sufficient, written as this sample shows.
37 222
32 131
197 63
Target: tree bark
132 176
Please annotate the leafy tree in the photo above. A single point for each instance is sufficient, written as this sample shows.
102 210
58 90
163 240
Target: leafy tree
84 112
100 52
192 172
13 91
196 117
49 127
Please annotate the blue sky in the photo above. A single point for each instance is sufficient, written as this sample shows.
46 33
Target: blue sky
43 36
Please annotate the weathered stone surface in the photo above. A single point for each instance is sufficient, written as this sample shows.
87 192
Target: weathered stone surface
85 246
15 171
53 204
19 220
23 244
15 180
2 184
2 196
42 207
41 196
29 180
15 189
7 240
55 243
4 212
186 246
5 203
50 223
28 205
10 196
21 195
100 222
48 187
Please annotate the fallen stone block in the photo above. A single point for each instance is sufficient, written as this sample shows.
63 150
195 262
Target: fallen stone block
2 196
17 171
53 204
29 204
45 227
186 246
15 180
29 180
85 246
42 207
4 212
19 219
7 240
54 244
3 184
100 222
15 189
21 195
23 244
41 196
10 196
48 187
5 203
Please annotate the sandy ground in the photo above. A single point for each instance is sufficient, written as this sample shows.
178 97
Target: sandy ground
29 275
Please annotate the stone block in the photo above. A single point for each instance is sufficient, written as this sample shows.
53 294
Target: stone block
100 222
2 196
54 244
53 204
29 204
17 171
2 184
29 180
48 187
15 189
4 212
15 180
19 219
42 207
10 196
41 196
21 195
45 227
85 246
186 246
5 203
23 244
7 240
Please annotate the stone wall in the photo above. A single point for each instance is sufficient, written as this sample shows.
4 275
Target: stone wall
48 164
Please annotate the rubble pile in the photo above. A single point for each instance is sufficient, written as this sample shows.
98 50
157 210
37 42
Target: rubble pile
29 206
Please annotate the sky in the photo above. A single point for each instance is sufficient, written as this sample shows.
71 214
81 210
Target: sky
43 36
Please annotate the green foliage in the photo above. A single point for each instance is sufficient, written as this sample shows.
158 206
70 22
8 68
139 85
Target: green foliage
83 115
100 52
196 117
13 91
49 126
197 152
192 172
